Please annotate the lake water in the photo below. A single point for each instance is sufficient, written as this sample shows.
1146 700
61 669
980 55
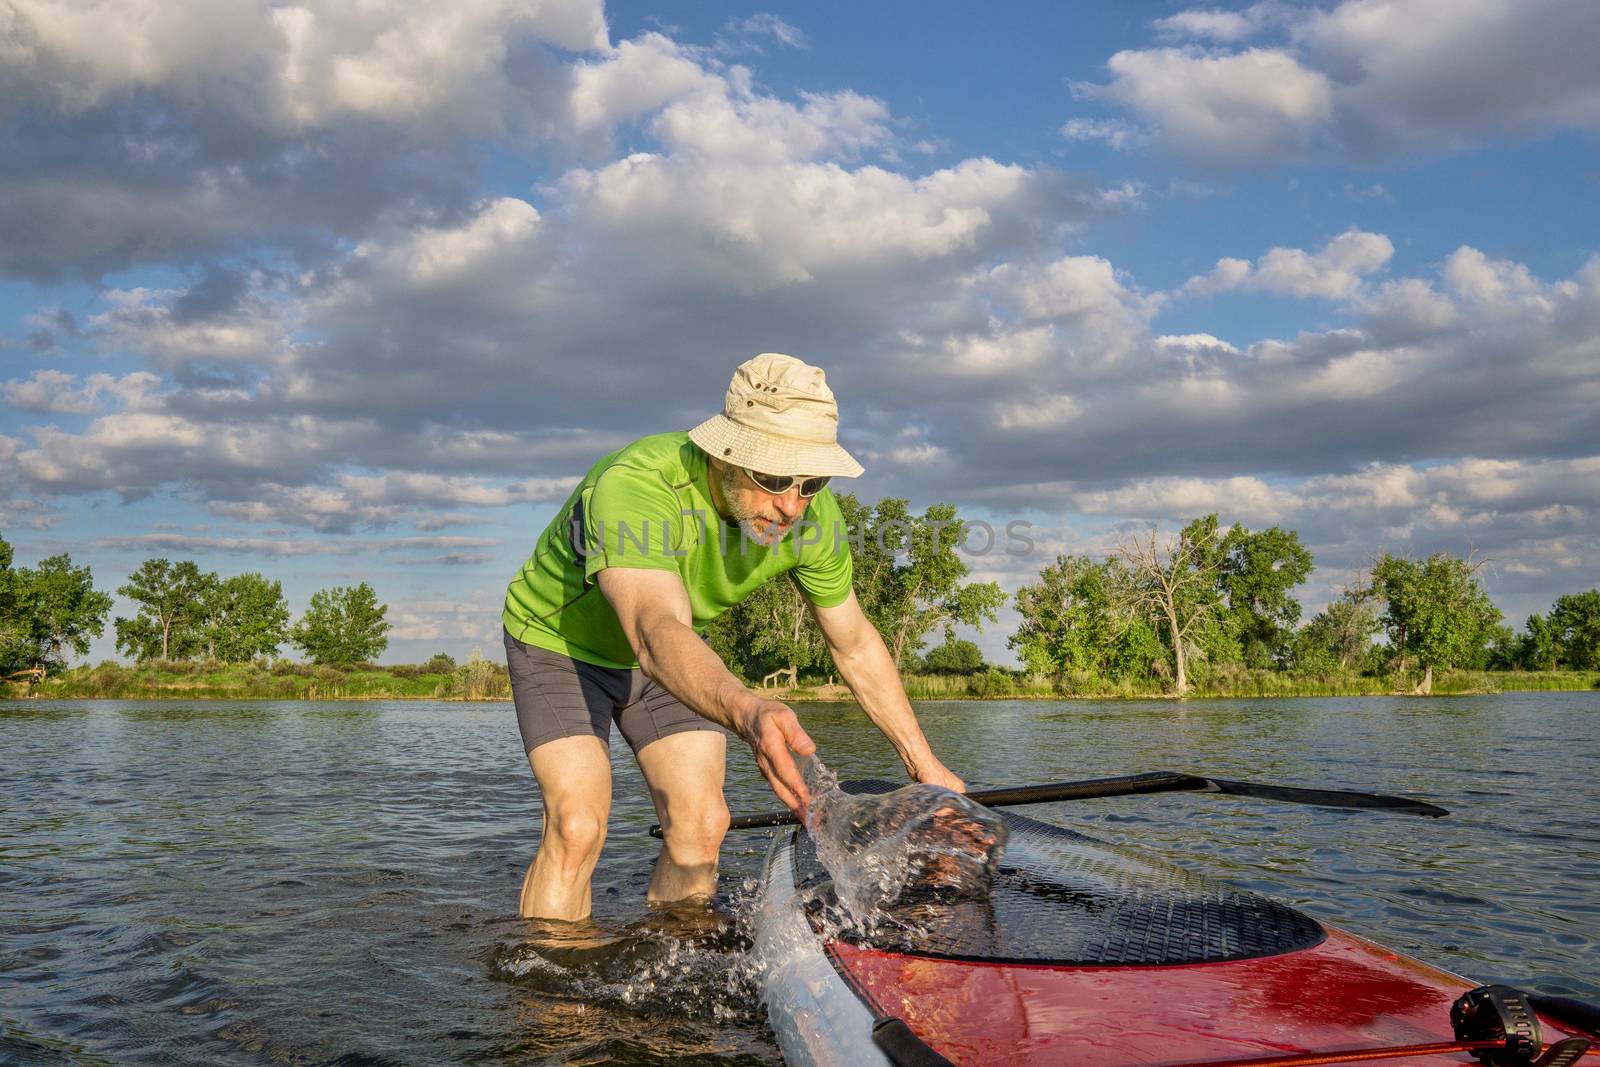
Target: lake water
301 883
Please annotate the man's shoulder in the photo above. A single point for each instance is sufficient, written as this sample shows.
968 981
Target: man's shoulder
672 454
655 471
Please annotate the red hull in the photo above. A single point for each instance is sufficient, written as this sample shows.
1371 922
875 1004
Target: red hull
1345 993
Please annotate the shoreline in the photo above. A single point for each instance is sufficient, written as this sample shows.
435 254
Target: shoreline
379 685
840 694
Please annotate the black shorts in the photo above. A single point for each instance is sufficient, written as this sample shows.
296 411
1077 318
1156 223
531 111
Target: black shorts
558 696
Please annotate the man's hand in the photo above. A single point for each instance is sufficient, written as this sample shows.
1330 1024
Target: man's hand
935 773
772 730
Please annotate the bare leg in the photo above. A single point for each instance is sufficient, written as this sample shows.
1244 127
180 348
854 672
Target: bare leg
685 773
574 776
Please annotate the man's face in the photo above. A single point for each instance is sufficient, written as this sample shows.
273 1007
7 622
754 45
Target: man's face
766 518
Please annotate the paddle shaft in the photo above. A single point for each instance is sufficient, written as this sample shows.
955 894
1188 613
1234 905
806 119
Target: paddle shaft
1153 782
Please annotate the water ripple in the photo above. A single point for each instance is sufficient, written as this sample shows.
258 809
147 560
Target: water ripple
294 883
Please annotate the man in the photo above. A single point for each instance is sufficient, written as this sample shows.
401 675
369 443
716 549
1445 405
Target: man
658 539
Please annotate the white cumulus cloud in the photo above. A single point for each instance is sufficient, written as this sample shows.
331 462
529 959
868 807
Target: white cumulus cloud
1336 272
1225 109
292 65
1370 79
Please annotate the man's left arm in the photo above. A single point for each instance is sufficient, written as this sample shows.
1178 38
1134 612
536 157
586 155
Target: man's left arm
868 669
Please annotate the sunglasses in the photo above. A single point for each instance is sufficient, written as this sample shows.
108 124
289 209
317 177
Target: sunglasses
778 484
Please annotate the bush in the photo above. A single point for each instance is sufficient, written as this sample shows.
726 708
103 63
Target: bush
108 680
991 682
953 657
440 664
481 679
1082 684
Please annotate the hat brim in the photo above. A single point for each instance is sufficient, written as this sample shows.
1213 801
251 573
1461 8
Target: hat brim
726 440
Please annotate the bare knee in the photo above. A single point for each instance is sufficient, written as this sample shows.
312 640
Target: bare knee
575 836
695 836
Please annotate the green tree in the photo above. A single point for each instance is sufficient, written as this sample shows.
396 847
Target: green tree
343 625
1255 574
1173 584
245 616
1078 618
775 632
1575 630
1067 620
1506 650
954 656
170 622
46 612
1435 611
1539 649
909 571
1339 635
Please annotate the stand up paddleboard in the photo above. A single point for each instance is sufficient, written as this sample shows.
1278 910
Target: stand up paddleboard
1093 955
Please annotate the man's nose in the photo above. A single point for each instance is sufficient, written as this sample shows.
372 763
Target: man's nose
790 504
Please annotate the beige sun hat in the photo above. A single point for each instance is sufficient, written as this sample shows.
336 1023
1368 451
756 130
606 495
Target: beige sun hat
779 417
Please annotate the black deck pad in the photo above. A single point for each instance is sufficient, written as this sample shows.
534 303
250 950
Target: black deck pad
1063 897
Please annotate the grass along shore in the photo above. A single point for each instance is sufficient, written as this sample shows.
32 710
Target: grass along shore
486 680
1241 682
202 680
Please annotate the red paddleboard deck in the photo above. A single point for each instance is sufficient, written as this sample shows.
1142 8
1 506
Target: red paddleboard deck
1090 954
1346 993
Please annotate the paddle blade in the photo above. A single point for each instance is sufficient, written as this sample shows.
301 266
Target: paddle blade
1322 798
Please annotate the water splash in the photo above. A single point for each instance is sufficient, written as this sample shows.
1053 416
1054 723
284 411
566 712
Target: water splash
681 960
918 843
882 854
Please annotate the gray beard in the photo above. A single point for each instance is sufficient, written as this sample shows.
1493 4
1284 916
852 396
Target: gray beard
747 530
745 521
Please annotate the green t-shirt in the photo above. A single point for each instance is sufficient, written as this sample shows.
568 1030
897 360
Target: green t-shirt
649 506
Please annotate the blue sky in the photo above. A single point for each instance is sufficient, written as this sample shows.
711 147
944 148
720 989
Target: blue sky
340 294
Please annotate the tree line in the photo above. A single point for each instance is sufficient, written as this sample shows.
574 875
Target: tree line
185 613
52 611
1210 597
1157 611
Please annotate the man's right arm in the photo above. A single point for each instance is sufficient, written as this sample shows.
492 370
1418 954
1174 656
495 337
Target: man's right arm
654 610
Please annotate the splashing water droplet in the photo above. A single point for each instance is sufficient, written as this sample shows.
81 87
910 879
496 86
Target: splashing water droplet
920 842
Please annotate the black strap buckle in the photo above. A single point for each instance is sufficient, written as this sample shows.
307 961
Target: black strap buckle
1501 1014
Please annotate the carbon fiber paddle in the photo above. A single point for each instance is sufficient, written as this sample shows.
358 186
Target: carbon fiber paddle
1152 782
